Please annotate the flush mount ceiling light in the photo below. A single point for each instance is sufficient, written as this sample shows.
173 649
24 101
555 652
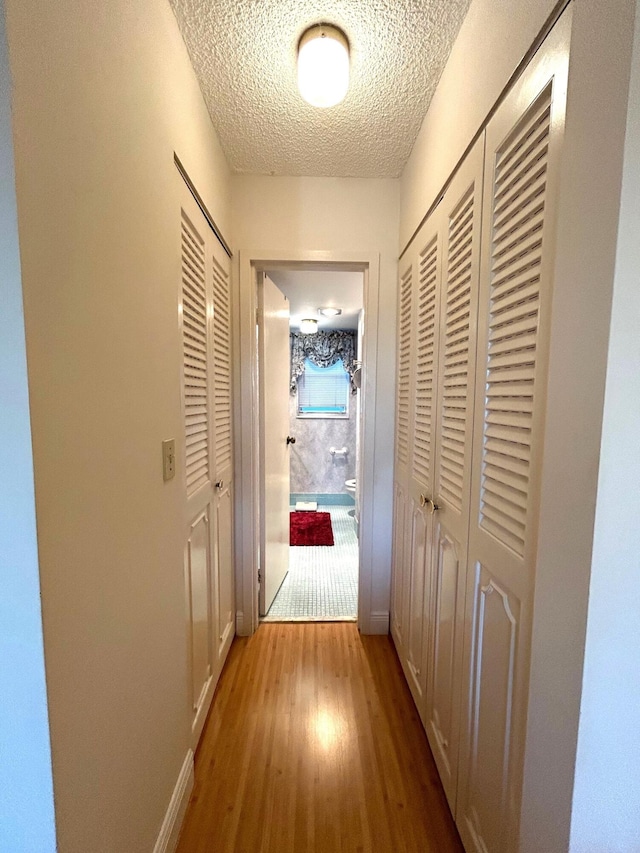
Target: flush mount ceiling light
308 327
323 65
329 312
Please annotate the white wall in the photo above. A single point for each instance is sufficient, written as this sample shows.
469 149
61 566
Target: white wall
606 802
350 216
493 39
103 96
26 791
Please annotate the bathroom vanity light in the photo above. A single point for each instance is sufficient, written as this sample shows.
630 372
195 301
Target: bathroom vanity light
329 312
308 327
323 65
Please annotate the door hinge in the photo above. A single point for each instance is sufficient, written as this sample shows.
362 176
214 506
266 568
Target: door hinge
259 576
257 316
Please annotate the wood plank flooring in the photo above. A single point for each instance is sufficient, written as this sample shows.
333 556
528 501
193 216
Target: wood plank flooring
313 745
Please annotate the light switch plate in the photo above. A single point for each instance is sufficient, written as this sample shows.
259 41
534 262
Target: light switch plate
169 459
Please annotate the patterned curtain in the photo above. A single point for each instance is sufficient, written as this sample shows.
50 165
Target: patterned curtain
323 349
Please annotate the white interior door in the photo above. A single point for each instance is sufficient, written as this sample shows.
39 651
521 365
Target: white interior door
274 370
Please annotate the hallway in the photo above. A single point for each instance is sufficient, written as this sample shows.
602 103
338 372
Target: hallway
313 744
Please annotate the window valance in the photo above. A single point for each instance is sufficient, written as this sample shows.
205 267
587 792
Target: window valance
323 349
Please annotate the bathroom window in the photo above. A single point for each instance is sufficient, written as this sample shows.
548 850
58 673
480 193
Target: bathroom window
323 392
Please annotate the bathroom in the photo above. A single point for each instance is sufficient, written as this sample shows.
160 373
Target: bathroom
326 338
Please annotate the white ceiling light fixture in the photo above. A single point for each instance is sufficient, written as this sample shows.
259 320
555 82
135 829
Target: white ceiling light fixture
323 65
308 326
330 312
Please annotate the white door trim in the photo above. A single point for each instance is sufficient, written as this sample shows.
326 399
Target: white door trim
245 356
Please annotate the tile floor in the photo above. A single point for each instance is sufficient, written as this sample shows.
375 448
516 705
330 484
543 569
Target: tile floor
322 583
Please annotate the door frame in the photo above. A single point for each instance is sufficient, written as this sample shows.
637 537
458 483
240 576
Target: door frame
245 351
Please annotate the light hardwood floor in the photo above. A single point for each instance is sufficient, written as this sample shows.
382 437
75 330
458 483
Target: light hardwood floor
313 745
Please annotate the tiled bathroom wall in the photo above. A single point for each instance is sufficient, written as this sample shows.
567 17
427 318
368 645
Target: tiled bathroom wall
313 469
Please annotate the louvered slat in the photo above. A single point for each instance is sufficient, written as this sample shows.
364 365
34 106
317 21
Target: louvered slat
195 365
455 365
516 256
404 367
425 354
222 366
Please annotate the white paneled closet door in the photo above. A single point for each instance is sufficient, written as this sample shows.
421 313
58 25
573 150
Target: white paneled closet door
460 216
206 453
419 522
400 572
197 478
222 454
522 150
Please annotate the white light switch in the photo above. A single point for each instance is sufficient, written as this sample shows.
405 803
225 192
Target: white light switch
169 458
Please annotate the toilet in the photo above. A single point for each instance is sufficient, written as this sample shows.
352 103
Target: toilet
350 486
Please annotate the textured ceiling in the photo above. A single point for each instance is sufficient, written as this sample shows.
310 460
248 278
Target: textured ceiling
244 53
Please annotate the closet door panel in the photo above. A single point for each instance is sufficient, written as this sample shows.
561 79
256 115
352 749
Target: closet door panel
405 358
419 567
401 576
425 359
460 212
522 150
495 633
197 558
421 478
222 453
443 689
197 462
204 311
225 588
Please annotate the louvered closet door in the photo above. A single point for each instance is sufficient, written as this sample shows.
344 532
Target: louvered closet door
461 221
222 453
522 151
422 467
206 452
400 572
197 471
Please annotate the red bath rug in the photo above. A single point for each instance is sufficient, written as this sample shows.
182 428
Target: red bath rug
311 528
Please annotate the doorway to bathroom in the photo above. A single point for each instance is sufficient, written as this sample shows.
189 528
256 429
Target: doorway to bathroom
316 400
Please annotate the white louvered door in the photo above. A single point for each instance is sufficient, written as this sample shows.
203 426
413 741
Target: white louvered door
522 150
421 473
198 489
460 215
206 452
400 571
222 454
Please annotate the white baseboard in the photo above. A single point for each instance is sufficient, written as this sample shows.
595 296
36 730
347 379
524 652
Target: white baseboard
379 622
204 703
172 823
